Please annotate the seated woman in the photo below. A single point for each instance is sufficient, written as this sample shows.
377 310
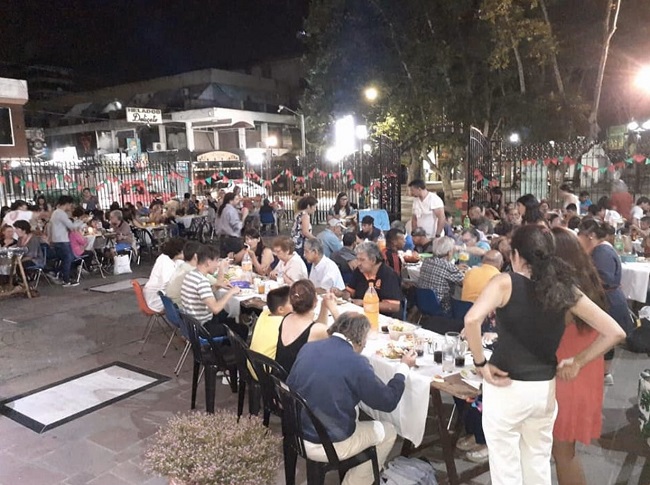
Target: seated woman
7 237
261 256
124 239
299 327
34 258
171 256
439 273
291 267
267 213
343 210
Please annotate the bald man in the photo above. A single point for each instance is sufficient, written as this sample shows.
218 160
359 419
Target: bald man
478 277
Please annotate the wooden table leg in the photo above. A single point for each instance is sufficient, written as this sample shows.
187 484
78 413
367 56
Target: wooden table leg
24 277
445 438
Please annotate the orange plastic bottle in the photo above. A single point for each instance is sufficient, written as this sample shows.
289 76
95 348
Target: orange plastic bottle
371 306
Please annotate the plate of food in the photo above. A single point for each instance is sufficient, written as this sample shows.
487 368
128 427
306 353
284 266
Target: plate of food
397 330
395 350
244 285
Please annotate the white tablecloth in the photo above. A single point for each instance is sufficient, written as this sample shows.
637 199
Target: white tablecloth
233 306
413 271
185 220
634 280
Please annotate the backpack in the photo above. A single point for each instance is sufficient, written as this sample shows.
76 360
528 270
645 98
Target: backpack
639 339
408 471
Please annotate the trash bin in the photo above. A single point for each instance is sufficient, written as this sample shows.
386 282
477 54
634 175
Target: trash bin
644 404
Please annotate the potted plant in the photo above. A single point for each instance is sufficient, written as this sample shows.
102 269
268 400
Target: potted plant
214 449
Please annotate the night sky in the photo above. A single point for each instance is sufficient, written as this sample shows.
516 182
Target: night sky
112 41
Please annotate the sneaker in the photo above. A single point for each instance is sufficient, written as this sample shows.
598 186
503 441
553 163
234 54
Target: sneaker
478 456
467 443
609 380
53 279
70 284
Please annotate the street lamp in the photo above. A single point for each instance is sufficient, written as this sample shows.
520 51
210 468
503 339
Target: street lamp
302 127
642 80
371 93
514 138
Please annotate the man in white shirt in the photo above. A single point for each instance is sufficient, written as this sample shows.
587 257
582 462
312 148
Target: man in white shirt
19 212
325 273
60 227
428 209
639 210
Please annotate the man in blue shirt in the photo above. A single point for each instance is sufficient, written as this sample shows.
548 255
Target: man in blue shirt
334 378
331 237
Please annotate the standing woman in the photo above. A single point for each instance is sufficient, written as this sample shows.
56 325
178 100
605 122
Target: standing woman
528 208
342 210
229 224
593 235
301 229
519 381
580 401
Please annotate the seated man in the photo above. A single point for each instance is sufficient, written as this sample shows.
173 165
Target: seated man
265 334
368 229
421 242
198 299
346 258
333 378
124 239
324 273
331 237
439 273
478 277
372 269
472 244
394 244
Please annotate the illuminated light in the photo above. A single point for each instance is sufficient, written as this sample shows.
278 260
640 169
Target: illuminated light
646 125
642 80
344 136
362 132
255 156
514 138
367 148
272 141
632 126
371 93
333 155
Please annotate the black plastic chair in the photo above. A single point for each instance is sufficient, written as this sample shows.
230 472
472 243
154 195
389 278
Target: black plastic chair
264 368
245 379
294 407
194 231
214 355
146 241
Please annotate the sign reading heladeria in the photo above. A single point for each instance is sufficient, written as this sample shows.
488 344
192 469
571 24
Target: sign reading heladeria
144 115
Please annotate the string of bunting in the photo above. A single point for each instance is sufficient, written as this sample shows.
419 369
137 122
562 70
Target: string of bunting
567 161
71 184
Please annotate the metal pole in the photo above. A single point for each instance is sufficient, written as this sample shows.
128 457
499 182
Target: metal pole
302 136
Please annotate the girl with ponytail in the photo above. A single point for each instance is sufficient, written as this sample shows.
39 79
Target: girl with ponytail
532 304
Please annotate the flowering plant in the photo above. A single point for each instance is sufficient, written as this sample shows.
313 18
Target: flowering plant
214 449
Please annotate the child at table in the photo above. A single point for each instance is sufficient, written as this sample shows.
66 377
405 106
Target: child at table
265 335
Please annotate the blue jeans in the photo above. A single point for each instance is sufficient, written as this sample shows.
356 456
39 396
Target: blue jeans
63 251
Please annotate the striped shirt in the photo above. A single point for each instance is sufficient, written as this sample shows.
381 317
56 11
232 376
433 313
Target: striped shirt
196 288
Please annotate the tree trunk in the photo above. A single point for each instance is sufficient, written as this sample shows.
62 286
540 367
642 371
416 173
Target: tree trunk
415 167
556 67
520 68
445 176
609 27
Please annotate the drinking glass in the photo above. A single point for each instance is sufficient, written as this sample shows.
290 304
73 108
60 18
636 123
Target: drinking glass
448 358
452 338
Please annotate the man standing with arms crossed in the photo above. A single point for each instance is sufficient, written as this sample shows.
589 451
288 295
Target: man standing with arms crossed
428 209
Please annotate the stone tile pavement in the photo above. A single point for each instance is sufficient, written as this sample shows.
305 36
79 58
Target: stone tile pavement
67 331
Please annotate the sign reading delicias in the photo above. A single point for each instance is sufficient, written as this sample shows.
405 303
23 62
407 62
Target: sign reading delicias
144 115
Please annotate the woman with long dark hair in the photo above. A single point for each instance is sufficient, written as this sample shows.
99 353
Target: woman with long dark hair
261 256
342 210
302 229
593 235
579 401
528 207
531 305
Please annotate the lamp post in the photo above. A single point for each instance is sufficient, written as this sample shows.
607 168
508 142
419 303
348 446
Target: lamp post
371 93
270 142
302 128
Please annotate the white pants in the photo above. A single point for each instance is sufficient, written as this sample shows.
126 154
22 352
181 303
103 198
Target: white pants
518 425
368 433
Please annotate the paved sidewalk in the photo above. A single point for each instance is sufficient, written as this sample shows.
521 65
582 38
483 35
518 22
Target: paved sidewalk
67 331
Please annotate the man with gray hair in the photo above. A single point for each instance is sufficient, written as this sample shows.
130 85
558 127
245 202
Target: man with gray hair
331 237
324 273
477 278
439 273
124 239
334 378
373 270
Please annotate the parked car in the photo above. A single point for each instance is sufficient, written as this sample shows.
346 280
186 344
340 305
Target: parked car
247 187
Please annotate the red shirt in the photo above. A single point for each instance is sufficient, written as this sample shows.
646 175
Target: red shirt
622 202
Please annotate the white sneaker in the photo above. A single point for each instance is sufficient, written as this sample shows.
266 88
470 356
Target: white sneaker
609 380
467 443
70 284
478 456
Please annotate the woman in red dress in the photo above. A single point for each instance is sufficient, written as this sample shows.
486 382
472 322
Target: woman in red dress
580 400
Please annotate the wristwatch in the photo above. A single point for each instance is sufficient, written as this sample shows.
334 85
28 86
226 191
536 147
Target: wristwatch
481 364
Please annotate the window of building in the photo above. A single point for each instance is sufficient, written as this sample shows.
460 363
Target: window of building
6 130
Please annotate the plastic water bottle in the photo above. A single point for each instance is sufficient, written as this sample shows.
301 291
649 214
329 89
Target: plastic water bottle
371 306
618 244
247 268
467 223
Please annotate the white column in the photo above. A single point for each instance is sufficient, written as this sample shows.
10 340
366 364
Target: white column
242 138
264 133
114 146
189 135
215 134
162 135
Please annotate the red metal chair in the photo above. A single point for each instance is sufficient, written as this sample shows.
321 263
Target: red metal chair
153 316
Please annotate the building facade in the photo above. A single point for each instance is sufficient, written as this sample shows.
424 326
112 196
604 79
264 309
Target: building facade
13 96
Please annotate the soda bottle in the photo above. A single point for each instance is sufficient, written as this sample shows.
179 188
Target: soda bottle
618 244
381 241
247 267
466 222
371 306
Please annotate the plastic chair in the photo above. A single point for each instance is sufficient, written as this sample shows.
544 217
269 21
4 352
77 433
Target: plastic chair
294 409
146 242
173 317
245 378
153 317
427 302
459 308
211 353
266 367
